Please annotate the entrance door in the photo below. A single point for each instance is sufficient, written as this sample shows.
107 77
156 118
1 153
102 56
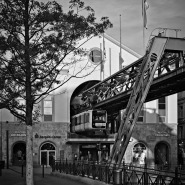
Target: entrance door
47 154
51 157
44 157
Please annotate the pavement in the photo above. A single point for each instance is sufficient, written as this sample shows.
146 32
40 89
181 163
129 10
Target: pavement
13 176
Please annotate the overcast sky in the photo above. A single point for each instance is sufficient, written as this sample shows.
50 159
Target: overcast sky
161 13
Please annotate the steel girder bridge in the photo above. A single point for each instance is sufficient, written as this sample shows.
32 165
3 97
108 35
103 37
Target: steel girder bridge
161 72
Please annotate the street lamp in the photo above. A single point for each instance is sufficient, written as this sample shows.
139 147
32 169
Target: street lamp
1 148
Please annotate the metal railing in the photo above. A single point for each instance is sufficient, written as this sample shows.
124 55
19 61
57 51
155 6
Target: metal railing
125 175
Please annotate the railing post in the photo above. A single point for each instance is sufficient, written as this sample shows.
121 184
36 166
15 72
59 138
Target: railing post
53 166
22 168
124 173
74 168
60 166
176 176
100 166
106 173
145 175
63 166
93 169
66 167
82 168
43 170
88 171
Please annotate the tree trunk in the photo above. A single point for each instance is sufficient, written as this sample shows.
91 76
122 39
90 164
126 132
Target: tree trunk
29 101
29 155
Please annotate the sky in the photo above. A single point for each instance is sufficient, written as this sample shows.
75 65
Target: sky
161 13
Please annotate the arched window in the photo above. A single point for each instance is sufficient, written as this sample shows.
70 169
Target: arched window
47 146
47 154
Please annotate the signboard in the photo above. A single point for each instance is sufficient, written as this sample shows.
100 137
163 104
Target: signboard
18 134
162 134
47 136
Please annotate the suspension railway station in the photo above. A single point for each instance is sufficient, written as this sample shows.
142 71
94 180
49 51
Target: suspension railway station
112 115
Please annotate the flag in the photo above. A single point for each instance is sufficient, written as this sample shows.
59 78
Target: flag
121 61
145 6
102 66
120 54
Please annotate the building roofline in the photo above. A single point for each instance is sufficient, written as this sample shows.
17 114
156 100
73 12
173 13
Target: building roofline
122 46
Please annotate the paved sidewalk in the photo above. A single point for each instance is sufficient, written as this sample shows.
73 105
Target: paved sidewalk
13 176
10 177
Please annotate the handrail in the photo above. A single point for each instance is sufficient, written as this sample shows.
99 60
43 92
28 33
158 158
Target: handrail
127 173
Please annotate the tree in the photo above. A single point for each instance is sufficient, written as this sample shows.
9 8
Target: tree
35 40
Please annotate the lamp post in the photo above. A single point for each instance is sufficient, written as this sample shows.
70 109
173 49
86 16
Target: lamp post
1 148
1 151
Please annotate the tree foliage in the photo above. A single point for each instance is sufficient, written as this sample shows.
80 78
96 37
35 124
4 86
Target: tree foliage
35 39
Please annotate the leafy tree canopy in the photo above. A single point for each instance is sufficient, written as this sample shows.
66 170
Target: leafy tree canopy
35 39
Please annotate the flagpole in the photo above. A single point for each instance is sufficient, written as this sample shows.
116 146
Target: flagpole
110 61
143 39
103 61
143 26
120 46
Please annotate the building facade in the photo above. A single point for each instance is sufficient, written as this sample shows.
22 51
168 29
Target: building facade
181 128
154 139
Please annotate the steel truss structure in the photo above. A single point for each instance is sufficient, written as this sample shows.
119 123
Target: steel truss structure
161 71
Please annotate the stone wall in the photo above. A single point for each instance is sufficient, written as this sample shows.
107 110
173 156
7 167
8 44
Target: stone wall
151 135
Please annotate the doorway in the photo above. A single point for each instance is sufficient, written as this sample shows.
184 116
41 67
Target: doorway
19 153
162 155
47 154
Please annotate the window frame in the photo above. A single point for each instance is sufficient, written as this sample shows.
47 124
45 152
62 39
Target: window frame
49 98
160 105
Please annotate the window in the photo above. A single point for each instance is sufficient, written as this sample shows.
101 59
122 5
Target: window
48 108
162 110
180 132
95 55
78 120
141 116
86 117
180 111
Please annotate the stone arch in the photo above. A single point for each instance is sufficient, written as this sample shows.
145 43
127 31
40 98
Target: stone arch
18 152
